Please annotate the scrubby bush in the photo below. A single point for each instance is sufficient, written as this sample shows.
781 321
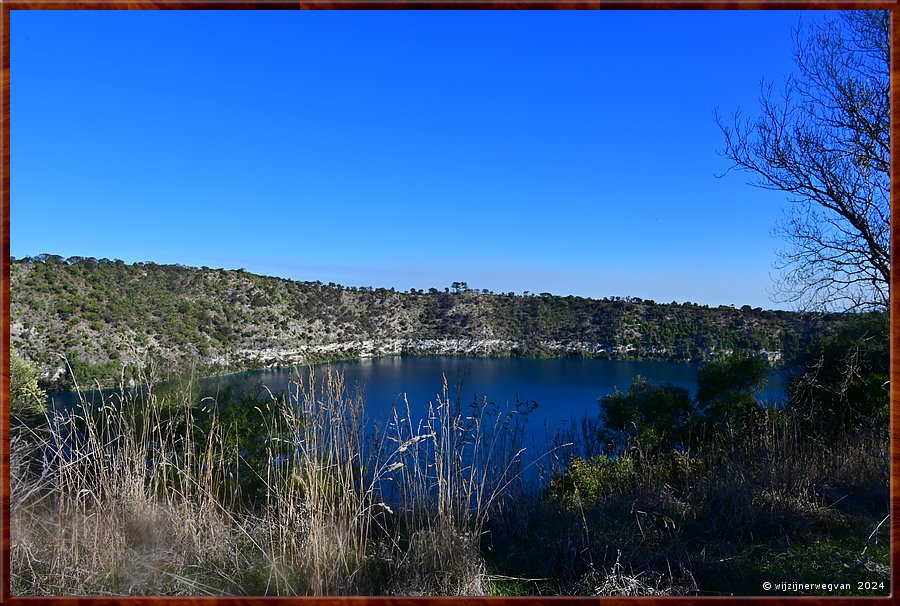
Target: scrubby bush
647 416
586 482
25 396
844 384
726 389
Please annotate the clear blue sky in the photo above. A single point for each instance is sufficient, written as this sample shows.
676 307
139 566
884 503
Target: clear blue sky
569 152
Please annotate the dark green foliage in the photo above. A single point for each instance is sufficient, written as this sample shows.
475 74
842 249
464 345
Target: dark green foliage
88 375
845 380
245 419
652 417
586 482
726 389
766 498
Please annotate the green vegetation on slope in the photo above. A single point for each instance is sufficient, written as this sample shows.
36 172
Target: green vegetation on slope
103 315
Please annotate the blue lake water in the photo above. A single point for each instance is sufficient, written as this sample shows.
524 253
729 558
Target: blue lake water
563 390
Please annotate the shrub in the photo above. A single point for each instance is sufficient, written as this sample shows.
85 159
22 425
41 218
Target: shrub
726 389
845 380
25 396
586 482
647 416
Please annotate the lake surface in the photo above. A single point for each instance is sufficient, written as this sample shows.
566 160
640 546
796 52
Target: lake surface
564 390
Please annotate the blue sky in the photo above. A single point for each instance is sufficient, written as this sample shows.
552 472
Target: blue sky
569 152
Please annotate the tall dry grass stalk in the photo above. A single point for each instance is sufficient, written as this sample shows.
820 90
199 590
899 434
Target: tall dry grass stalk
456 469
129 496
321 507
118 498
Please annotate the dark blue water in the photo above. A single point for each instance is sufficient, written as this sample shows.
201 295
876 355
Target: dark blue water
560 391
563 389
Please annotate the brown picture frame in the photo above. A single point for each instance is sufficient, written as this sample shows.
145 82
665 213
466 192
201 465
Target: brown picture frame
10 5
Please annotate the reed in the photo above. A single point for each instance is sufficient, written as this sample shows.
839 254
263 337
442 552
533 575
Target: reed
130 496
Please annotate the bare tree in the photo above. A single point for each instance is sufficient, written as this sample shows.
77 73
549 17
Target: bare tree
825 140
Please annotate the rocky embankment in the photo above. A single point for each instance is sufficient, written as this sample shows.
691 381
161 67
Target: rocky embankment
272 357
101 315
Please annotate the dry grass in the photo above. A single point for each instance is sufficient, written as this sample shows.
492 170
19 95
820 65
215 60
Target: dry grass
129 497
719 515
134 495
457 469
117 500
617 580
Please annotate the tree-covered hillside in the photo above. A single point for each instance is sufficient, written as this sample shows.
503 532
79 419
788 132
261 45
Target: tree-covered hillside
102 314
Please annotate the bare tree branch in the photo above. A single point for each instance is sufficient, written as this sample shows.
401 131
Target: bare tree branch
826 141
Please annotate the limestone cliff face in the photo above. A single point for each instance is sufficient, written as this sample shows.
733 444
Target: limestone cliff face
104 314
